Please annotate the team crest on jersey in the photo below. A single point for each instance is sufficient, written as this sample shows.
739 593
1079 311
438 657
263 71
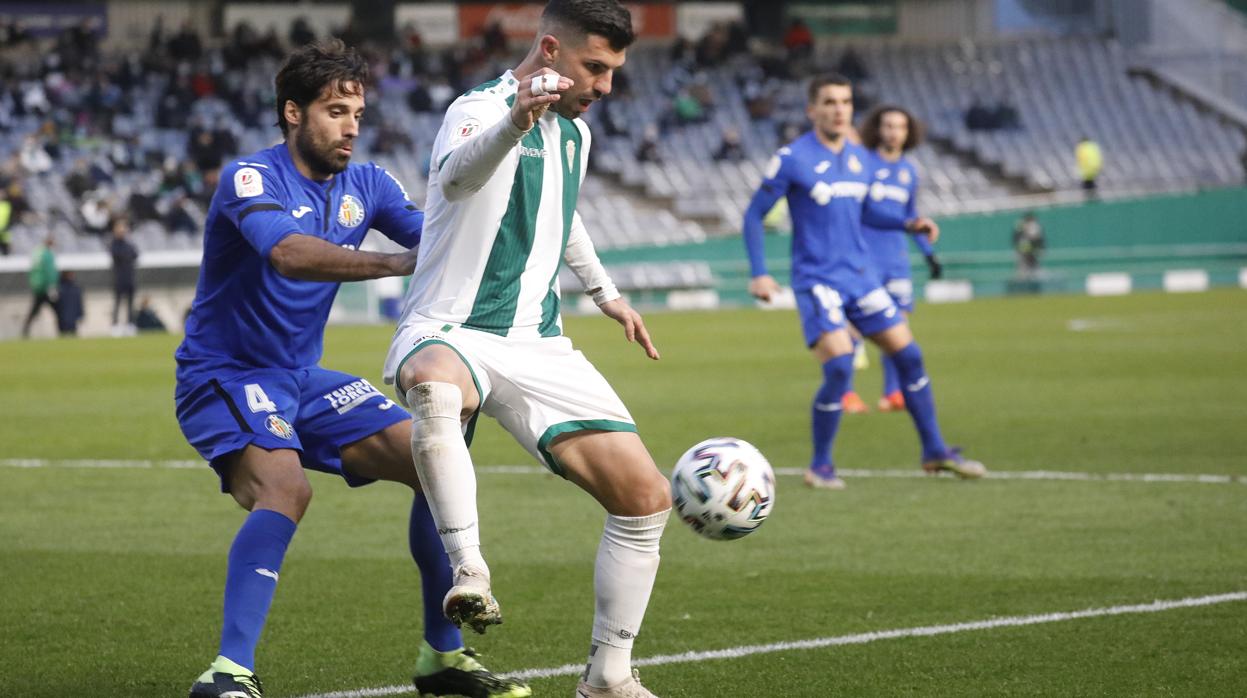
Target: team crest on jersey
465 130
571 155
855 165
280 427
350 211
904 177
247 183
822 167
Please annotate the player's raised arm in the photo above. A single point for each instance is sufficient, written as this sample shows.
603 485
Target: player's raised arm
476 137
762 285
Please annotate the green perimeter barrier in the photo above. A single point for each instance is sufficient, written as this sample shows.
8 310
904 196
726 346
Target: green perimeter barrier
1142 237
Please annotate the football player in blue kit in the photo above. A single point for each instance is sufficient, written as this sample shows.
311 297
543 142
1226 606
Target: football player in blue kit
282 232
826 180
890 132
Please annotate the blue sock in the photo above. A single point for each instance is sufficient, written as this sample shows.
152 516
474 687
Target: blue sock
826 410
891 379
919 400
435 576
848 384
254 563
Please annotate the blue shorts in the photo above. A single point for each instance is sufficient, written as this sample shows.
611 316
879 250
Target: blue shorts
314 411
900 287
861 301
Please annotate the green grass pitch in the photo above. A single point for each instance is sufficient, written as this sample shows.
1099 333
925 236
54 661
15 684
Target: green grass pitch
112 577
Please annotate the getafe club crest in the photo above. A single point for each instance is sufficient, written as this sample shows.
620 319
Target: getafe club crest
280 427
855 165
350 211
904 177
571 155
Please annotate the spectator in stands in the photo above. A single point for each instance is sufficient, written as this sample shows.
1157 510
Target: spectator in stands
494 40
686 109
97 213
69 309
147 320
43 278
711 50
647 150
34 155
125 260
185 45
179 218
978 117
730 149
6 220
1090 162
852 66
798 42
1028 243
79 182
301 32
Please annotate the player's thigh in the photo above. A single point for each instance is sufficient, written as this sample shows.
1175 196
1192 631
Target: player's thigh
616 469
894 338
259 478
544 392
429 355
385 455
823 322
832 344
871 309
227 411
344 421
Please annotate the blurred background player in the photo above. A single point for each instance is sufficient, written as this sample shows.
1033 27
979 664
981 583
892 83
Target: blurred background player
891 132
43 278
826 179
281 233
481 329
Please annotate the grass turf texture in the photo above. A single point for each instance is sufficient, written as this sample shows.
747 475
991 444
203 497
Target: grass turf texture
113 576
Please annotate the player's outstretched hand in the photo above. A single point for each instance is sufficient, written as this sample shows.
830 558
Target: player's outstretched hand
536 93
634 326
404 262
763 287
924 226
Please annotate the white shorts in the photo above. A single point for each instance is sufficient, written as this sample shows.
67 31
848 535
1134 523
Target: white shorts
537 389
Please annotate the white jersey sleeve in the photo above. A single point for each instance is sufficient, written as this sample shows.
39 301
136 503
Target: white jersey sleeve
475 138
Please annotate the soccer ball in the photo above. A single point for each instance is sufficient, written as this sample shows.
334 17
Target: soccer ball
723 488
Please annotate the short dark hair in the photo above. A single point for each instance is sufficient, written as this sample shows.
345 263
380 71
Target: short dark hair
606 18
869 131
309 69
820 81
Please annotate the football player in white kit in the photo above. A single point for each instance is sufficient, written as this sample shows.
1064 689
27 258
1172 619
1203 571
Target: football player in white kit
481 330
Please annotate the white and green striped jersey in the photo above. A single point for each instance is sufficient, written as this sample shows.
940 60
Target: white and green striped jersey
489 260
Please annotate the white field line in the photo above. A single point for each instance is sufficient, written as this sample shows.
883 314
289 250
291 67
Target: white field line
847 472
857 639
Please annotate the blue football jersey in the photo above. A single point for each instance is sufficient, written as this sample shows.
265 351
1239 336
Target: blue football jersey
827 200
894 192
247 315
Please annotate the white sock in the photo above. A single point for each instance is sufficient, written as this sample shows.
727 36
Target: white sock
445 469
623 578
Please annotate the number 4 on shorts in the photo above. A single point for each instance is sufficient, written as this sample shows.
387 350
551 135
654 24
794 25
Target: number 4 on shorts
257 400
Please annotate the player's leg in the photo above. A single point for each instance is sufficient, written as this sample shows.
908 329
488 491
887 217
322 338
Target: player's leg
901 289
272 486
241 424
852 403
617 470
441 391
444 666
898 342
826 334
